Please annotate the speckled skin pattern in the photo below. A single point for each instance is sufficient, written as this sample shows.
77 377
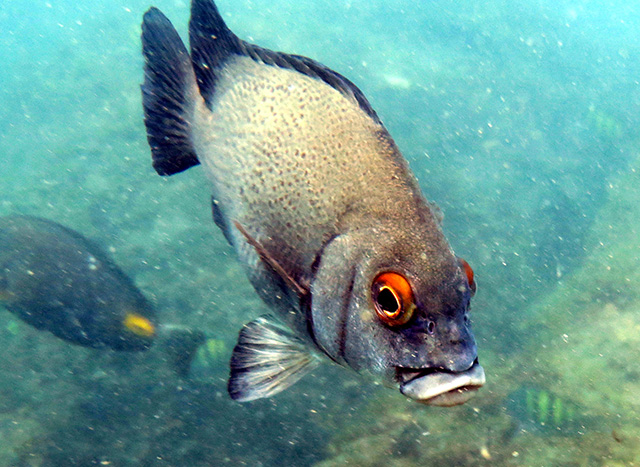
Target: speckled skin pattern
294 160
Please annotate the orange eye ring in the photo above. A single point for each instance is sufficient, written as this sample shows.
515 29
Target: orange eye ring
469 273
393 298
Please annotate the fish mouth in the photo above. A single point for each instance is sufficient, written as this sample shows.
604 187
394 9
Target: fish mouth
439 387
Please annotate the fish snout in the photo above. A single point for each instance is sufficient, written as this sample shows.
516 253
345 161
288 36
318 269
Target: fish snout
456 333
453 347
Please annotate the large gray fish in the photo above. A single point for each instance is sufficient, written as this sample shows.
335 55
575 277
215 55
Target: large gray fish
322 210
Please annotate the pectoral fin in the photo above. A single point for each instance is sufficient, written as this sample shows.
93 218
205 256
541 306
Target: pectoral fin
270 261
267 359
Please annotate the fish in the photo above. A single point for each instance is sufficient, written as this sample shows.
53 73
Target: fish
538 409
57 280
207 361
322 210
210 351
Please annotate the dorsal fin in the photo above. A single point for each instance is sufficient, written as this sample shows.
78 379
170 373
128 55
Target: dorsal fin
212 43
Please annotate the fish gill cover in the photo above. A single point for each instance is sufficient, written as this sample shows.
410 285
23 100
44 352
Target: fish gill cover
520 119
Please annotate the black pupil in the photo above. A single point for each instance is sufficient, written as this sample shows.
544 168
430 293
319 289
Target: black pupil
388 301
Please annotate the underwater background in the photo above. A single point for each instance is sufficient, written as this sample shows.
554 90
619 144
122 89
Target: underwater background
521 120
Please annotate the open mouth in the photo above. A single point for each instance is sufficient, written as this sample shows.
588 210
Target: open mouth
433 386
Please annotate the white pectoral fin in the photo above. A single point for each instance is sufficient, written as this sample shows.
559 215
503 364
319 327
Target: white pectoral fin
267 359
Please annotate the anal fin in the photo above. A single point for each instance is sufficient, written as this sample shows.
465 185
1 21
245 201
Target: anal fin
267 359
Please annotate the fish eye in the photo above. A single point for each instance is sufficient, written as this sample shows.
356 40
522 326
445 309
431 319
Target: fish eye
469 273
393 298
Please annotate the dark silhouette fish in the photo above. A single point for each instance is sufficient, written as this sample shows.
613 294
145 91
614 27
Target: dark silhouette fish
322 209
57 280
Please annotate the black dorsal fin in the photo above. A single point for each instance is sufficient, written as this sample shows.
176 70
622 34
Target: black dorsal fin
168 79
212 43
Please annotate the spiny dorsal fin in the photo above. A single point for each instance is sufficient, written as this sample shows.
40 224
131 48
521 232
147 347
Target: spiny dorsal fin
212 43
168 78
267 359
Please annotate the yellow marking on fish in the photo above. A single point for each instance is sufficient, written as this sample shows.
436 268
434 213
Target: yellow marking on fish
557 411
139 325
215 347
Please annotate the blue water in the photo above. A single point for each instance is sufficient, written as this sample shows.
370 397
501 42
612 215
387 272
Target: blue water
521 120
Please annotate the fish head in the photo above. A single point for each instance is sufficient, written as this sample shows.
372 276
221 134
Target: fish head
394 304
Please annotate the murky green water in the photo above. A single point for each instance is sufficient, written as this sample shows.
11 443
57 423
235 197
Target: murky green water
520 119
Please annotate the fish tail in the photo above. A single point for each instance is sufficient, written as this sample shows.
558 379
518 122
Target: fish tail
180 345
169 94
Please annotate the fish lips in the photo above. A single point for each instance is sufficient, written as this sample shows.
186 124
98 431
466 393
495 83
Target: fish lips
439 387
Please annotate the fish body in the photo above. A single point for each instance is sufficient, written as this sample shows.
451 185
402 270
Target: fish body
56 280
322 210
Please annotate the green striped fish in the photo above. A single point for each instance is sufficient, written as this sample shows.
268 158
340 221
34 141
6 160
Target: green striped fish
539 409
